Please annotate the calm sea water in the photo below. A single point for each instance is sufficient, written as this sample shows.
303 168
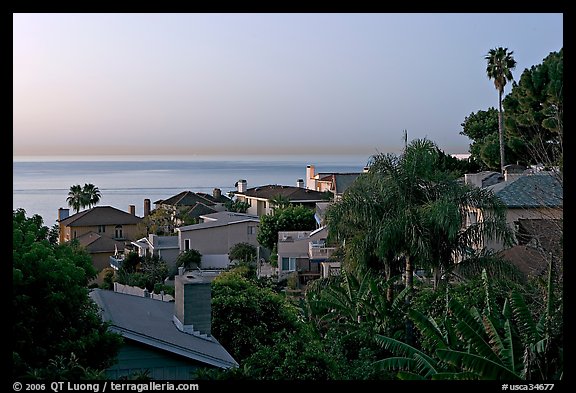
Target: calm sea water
41 184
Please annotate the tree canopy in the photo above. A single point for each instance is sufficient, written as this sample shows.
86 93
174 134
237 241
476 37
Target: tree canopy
291 218
535 109
83 196
55 321
533 122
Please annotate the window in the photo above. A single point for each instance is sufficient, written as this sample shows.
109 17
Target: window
288 264
118 232
186 244
101 228
251 229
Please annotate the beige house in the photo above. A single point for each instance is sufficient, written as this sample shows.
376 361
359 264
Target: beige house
333 182
527 196
259 198
102 230
304 252
218 232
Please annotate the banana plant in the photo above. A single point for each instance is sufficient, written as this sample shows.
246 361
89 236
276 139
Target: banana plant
491 345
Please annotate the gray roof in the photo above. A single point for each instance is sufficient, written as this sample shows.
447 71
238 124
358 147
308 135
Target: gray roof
294 194
101 215
321 211
95 243
541 189
220 219
200 209
184 198
166 242
149 322
159 243
340 181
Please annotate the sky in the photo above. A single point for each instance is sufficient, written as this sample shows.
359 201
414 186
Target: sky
262 83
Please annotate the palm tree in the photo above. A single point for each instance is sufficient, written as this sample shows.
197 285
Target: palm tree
80 197
75 197
92 195
500 66
279 202
407 212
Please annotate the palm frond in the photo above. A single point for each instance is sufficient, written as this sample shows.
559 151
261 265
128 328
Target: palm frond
484 368
477 342
396 363
400 349
512 352
469 316
463 375
408 376
494 338
430 330
523 317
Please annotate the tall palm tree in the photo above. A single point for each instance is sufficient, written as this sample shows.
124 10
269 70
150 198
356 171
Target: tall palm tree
92 195
500 66
75 197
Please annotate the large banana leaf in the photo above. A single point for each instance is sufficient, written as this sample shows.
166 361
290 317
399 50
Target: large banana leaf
484 368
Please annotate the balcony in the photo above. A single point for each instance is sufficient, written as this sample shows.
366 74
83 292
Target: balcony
317 250
116 262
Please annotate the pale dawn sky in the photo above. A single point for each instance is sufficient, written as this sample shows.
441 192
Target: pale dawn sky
292 83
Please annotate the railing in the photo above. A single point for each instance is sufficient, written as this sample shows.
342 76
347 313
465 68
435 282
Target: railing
116 263
318 250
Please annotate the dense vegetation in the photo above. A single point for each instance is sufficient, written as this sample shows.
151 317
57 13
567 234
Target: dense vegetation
57 332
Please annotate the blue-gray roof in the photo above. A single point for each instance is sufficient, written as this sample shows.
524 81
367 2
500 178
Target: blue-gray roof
150 322
540 189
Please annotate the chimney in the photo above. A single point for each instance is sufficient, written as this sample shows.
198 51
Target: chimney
192 305
241 185
300 183
513 172
146 207
217 193
132 209
474 179
310 177
63 213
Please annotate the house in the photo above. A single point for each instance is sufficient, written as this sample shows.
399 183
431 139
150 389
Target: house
165 247
169 340
189 199
483 179
539 241
527 195
101 230
260 198
218 232
334 182
304 252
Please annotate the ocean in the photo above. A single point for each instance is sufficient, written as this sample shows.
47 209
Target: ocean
41 184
